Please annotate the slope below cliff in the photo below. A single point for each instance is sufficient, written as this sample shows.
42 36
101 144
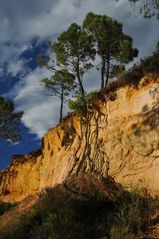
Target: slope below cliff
119 138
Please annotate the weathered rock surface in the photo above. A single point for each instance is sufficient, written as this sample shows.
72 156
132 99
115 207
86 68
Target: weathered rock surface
121 140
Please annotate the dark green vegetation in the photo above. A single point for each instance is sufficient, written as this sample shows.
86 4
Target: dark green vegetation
132 77
78 48
112 46
148 65
9 121
76 51
4 207
64 213
81 103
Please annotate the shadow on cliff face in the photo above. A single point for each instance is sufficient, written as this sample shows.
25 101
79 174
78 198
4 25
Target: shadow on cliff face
145 131
149 118
150 114
82 208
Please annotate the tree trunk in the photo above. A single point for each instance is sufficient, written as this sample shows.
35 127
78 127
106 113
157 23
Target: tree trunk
107 74
108 66
80 84
102 72
61 105
79 77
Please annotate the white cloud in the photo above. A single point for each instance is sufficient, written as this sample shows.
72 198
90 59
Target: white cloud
21 22
38 106
16 67
41 117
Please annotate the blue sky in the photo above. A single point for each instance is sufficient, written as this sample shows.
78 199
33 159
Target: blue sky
25 28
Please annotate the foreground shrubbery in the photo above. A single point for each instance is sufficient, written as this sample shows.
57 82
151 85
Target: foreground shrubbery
60 215
4 207
63 215
127 216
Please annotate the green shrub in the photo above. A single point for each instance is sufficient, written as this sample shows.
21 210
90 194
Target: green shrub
4 207
127 215
121 232
80 104
131 77
62 214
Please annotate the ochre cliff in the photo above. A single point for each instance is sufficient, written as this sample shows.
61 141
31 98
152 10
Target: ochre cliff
120 138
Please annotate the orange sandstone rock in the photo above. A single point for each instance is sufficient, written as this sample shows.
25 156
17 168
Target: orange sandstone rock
122 142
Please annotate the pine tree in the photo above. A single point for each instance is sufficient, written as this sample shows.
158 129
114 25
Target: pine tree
9 121
60 84
112 45
74 51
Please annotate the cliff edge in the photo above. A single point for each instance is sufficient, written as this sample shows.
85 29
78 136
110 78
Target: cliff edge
118 138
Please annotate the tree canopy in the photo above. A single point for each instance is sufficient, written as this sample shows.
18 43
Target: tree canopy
77 48
112 45
9 121
74 51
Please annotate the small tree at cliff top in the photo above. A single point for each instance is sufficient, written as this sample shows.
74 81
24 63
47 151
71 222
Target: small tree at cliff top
60 84
150 64
9 121
74 51
112 45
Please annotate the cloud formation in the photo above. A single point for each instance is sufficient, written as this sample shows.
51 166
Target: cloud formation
22 21
31 97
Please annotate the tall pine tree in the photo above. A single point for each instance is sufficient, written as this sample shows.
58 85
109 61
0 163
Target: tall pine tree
112 45
60 84
74 51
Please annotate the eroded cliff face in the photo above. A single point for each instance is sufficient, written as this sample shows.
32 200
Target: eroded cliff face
120 138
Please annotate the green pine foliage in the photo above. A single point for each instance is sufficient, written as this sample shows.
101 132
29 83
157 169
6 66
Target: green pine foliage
9 121
112 46
81 104
74 51
132 76
150 64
